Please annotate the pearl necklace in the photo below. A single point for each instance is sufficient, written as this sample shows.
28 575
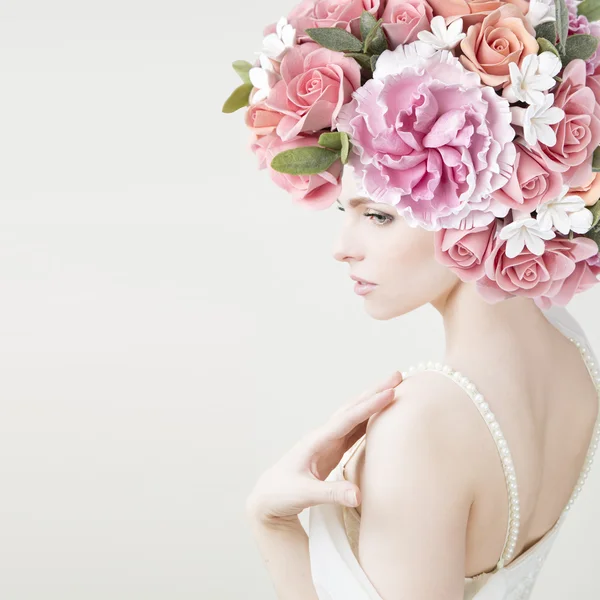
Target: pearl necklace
512 533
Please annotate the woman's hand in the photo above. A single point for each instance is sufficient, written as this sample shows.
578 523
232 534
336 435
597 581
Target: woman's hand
296 481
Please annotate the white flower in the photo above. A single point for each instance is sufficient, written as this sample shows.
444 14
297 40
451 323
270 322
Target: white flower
525 232
541 11
536 120
275 45
263 78
535 76
442 37
566 213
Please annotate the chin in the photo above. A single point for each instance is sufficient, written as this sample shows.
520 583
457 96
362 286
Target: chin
379 312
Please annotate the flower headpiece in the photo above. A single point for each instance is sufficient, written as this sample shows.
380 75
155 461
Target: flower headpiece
476 119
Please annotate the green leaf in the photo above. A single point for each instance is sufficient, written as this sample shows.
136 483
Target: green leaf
345 147
594 234
546 46
374 61
238 99
562 23
242 68
589 9
547 31
367 22
308 160
375 42
364 60
581 46
331 140
335 38
596 160
596 212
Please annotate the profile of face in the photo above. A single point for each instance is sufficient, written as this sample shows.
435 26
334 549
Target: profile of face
381 248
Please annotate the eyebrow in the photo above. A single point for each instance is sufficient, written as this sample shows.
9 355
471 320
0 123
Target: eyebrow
354 202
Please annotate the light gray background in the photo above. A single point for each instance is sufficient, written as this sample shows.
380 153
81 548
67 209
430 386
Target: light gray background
169 323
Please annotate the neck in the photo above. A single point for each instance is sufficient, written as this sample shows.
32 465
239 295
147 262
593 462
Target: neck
504 332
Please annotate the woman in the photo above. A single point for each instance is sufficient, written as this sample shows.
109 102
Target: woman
431 519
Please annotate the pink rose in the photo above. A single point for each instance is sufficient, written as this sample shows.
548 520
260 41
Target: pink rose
578 134
313 191
465 251
315 83
504 36
530 275
403 19
581 279
429 139
261 120
593 81
472 11
344 14
532 182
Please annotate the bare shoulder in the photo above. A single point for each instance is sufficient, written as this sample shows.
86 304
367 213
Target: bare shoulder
417 488
431 410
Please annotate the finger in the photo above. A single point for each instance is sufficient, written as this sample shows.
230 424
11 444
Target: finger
345 422
344 493
392 381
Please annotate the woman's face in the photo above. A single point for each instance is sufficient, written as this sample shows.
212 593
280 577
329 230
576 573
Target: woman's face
381 248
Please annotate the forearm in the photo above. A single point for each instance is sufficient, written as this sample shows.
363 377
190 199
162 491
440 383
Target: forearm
284 548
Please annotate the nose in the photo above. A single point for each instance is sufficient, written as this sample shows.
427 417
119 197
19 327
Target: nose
345 248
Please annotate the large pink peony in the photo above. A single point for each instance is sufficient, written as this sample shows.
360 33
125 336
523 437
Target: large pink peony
313 191
464 251
344 14
530 275
532 182
315 83
578 134
429 139
404 19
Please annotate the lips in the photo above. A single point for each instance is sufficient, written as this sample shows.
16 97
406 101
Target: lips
362 281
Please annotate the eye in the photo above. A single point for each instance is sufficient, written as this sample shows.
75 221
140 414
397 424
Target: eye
382 219
341 208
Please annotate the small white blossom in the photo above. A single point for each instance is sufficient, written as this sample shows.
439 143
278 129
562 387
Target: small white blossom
275 45
541 11
263 78
442 37
536 120
525 232
565 213
535 76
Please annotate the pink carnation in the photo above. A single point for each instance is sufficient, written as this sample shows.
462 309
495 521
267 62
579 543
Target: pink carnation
578 134
315 83
313 191
404 19
429 139
535 276
464 251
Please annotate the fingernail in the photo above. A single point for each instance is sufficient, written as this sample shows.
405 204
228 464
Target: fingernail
350 496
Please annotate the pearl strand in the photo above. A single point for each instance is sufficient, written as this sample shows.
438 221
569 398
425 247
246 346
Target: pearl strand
595 374
505 456
507 464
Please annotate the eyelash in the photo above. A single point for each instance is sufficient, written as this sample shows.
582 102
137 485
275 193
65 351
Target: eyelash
386 218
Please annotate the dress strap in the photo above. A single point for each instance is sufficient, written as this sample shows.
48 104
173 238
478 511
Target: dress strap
512 530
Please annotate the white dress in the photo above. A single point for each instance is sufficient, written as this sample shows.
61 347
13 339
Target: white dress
333 529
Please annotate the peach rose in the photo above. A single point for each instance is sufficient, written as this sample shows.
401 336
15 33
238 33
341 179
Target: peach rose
504 36
261 120
404 19
590 193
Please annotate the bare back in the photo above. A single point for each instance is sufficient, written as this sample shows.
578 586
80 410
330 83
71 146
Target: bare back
547 412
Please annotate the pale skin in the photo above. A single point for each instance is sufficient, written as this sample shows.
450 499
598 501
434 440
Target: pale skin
431 491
